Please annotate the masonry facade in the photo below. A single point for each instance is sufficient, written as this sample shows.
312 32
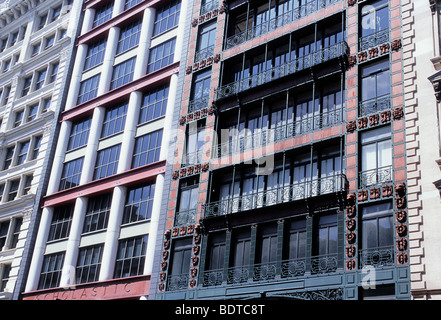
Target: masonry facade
289 175
100 215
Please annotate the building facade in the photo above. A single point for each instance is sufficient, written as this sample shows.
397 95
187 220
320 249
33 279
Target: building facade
100 215
35 53
290 171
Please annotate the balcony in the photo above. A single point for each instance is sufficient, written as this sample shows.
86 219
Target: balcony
185 217
377 257
262 138
373 40
374 105
283 194
278 22
376 176
337 50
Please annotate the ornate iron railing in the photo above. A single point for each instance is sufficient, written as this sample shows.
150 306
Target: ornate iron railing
277 22
374 105
204 53
375 176
213 278
240 143
185 217
280 194
288 68
324 264
198 104
238 274
264 271
374 39
177 282
209 6
293 268
192 158
377 257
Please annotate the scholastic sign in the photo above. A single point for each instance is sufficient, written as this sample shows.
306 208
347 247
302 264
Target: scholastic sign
125 288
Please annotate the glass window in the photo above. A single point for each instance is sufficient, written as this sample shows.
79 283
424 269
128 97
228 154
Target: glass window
17 227
56 13
70 176
129 36
200 91
375 19
327 235
102 14
26 85
167 17
130 3
32 112
18 118
61 222
375 82
123 73
154 104
54 71
114 120
216 252
13 189
88 264
27 183
5 270
42 21
41 76
161 55
130 257
88 89
95 54
378 226
206 42
97 214
6 65
23 151
35 49
51 271
180 264
9 157
147 149
50 41
296 244
36 147
107 162
194 145
79 133
4 227
139 204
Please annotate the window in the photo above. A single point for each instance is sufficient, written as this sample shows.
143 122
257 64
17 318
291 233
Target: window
206 42
6 65
130 257
54 70
88 264
26 85
41 76
147 149
5 270
375 24
377 226
23 151
167 17
51 271
102 14
36 147
70 176
129 36
123 73
97 214
18 118
216 253
154 104
42 21
32 112
326 239
56 13
3 43
16 232
266 252
130 3
375 87
79 133
13 189
88 89
27 183
194 145
296 242
49 41
5 95
95 54
114 120
61 222
161 55
200 91
2 189
4 227
376 156
9 157
14 37
188 201
35 49
139 204
107 162
46 104
180 264
241 248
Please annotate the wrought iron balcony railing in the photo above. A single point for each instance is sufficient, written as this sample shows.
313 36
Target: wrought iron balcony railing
177 282
185 217
209 6
198 104
374 105
324 264
293 268
377 257
375 176
374 39
246 142
281 194
192 158
322 55
277 22
204 53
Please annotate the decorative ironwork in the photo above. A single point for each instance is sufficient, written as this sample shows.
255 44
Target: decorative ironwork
328 294
280 194
213 278
374 105
185 217
198 104
377 257
295 65
192 158
204 53
277 22
374 39
209 6
244 142
265 271
238 274
293 268
177 282
375 176
324 264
